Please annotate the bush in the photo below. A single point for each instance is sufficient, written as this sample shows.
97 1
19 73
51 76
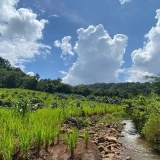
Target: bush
151 130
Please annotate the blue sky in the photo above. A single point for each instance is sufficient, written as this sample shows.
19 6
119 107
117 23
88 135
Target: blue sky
85 41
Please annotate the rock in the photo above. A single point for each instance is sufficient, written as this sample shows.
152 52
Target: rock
110 155
101 140
113 145
101 144
117 153
107 151
92 132
112 150
112 139
95 135
113 132
121 135
107 159
101 148
109 147
108 125
128 158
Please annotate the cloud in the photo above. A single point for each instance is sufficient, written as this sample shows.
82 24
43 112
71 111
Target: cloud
55 15
99 56
147 59
63 72
65 46
21 33
124 1
30 73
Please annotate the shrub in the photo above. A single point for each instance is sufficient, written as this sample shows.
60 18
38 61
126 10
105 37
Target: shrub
151 131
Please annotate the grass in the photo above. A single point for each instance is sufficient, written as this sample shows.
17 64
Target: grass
113 117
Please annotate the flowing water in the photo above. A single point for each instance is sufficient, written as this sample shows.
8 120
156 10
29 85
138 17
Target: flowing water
135 147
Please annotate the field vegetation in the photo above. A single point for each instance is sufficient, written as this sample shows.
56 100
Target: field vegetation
34 119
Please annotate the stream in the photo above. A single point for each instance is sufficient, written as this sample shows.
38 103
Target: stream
135 147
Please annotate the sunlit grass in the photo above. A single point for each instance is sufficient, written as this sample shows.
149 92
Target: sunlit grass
39 127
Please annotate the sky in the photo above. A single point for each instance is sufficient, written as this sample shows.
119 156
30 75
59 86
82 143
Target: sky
82 41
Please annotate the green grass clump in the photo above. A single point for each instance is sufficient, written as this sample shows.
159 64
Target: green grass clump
86 138
71 140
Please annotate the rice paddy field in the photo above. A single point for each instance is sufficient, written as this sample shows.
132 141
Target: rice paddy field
34 119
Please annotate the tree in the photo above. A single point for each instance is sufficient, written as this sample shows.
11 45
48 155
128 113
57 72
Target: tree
37 76
29 82
155 82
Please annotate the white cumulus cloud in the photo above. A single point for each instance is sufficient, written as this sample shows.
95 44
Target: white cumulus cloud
65 45
99 56
146 60
124 1
30 73
20 34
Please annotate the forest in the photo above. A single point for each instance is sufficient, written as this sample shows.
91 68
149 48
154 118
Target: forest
11 77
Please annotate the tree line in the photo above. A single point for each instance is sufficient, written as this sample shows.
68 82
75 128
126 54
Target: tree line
12 77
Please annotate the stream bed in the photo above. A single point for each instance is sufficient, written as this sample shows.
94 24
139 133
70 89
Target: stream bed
134 146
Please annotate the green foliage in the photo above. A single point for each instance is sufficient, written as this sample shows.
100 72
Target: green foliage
155 83
86 137
71 140
24 137
145 115
114 117
86 122
151 130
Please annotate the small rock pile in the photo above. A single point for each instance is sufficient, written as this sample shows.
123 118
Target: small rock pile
105 136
